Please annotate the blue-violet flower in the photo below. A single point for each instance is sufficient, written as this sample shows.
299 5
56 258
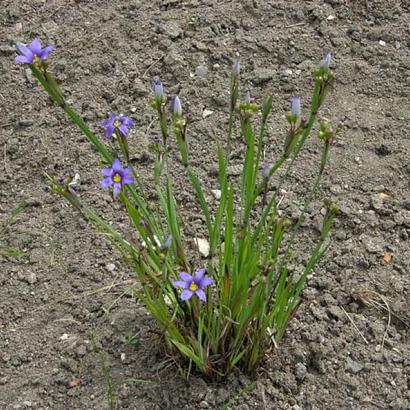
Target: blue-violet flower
34 53
116 176
117 122
193 285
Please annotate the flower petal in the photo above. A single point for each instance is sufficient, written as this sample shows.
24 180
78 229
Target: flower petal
201 294
117 188
116 165
25 50
108 172
23 60
179 284
109 131
109 121
127 179
206 281
127 121
106 182
46 51
186 294
127 171
199 275
123 129
185 276
35 46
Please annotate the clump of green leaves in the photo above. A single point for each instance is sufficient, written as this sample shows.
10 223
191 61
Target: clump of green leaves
229 317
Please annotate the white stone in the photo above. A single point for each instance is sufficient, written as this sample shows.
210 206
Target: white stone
206 113
382 43
203 246
110 267
217 193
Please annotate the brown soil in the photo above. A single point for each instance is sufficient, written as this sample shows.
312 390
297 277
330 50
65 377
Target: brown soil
62 286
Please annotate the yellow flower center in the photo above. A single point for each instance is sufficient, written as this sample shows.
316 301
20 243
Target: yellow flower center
117 178
193 286
117 123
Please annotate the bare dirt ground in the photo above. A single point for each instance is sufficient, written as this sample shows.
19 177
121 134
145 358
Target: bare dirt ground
61 286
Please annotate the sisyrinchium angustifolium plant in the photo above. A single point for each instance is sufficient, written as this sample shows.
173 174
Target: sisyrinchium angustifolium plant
227 310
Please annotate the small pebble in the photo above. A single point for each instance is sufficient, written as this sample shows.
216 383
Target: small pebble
216 193
203 246
110 267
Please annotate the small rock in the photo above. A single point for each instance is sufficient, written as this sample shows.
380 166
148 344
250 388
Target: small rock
382 43
301 371
64 336
110 267
25 122
201 71
217 193
399 404
81 350
173 30
29 277
203 246
223 395
373 245
353 366
261 76
336 313
330 18
140 88
206 113
234 170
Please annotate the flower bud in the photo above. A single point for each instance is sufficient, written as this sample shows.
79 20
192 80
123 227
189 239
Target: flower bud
236 67
176 106
266 170
158 89
295 106
325 63
167 243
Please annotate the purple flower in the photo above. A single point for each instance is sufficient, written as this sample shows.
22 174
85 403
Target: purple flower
236 67
117 122
295 106
158 89
117 177
34 53
176 106
193 285
325 63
